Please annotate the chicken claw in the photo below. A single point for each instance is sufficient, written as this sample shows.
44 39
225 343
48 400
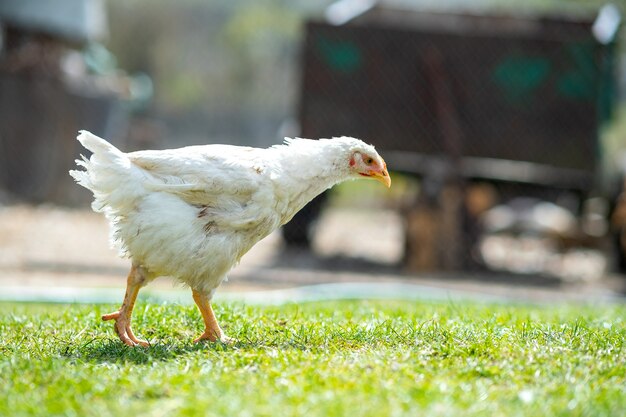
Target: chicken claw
212 337
212 332
123 316
123 330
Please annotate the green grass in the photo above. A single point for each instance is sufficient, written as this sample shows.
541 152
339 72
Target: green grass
319 359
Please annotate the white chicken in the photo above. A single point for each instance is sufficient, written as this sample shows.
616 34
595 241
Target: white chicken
192 213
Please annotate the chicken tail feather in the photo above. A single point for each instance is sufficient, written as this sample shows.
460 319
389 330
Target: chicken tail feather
109 174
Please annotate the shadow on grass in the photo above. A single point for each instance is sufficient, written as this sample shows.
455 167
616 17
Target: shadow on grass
114 351
105 350
255 334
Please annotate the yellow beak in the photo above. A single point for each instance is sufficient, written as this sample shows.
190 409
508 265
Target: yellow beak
382 176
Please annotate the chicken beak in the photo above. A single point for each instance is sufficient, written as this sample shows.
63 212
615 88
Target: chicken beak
382 176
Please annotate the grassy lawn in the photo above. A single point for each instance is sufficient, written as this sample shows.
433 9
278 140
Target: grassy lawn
318 359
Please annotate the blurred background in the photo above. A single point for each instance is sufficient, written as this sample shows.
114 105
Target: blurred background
504 124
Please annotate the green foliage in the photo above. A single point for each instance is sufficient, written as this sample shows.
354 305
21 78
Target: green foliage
326 359
232 53
556 6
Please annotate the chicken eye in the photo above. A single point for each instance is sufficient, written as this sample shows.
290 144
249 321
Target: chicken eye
369 161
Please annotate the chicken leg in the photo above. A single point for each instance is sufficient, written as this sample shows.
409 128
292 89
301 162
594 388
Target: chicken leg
122 317
212 331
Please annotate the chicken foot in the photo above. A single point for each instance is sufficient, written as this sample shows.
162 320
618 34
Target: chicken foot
123 316
212 332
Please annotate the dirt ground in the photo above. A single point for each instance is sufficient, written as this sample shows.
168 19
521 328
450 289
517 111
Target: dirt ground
47 246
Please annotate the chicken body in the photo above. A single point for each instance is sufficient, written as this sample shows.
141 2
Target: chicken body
192 213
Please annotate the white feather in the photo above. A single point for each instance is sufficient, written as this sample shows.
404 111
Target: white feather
192 213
